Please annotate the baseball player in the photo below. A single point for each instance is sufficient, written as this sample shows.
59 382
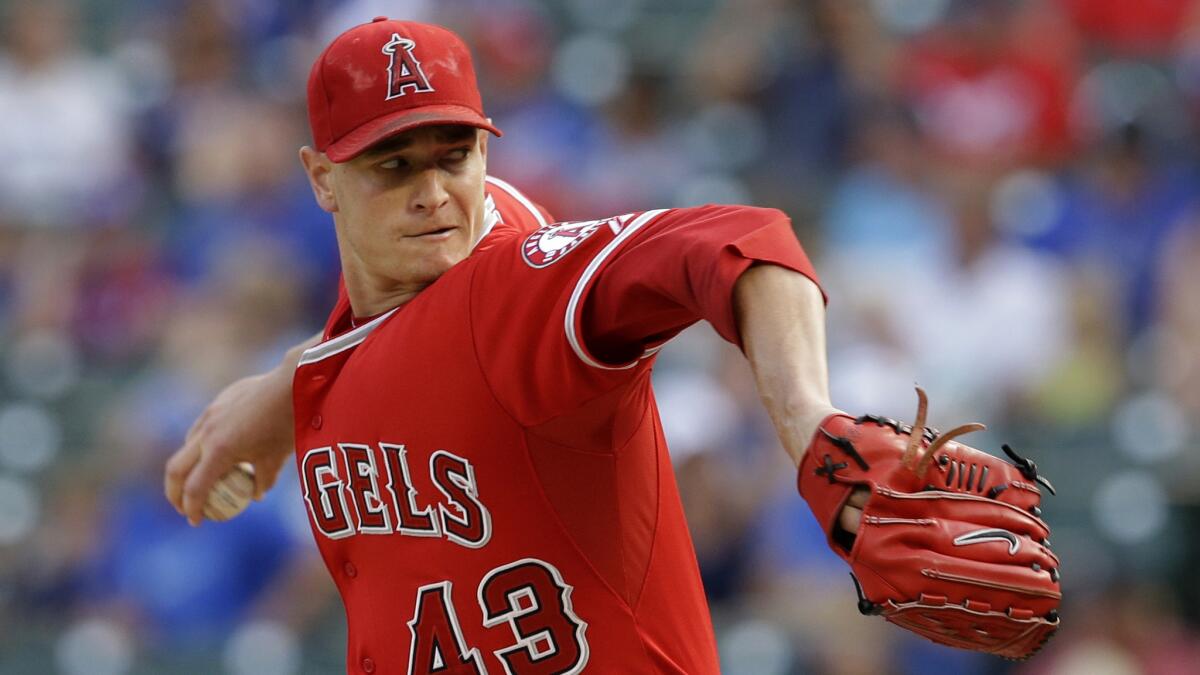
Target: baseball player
475 433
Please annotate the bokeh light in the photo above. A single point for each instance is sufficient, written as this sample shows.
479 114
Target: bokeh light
19 510
94 647
30 436
1130 507
263 648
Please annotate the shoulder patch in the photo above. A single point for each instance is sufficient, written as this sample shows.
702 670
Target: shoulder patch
547 245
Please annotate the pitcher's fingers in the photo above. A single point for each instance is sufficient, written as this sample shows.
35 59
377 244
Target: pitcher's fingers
859 497
204 475
181 462
266 472
850 518
195 428
175 474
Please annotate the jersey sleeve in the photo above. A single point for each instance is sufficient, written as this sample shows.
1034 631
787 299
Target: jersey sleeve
675 269
570 312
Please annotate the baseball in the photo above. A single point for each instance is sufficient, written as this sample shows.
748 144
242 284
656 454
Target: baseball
231 494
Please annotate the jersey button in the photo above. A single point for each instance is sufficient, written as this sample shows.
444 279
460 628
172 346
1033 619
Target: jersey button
350 569
368 665
317 421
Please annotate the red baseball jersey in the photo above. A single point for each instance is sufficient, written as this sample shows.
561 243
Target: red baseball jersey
484 467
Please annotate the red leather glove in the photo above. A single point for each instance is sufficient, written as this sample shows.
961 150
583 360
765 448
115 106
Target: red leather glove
951 544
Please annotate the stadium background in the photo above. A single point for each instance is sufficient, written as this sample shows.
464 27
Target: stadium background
1000 195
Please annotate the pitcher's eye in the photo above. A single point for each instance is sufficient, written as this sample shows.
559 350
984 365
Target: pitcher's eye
393 163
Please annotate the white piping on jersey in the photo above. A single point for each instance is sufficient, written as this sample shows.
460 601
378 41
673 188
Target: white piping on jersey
588 272
517 195
356 336
491 216
342 342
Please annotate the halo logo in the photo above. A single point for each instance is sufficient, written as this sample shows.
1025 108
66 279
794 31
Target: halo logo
404 70
549 244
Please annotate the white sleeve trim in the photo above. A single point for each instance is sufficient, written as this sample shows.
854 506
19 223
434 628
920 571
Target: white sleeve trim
573 306
517 195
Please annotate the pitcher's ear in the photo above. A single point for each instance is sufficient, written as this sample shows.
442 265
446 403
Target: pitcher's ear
319 170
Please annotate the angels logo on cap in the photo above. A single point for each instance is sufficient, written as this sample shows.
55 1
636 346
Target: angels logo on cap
409 73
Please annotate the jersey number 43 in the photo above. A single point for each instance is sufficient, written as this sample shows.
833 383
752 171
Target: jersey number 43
530 596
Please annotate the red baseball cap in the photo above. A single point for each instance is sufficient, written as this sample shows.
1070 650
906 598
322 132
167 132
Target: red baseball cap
383 78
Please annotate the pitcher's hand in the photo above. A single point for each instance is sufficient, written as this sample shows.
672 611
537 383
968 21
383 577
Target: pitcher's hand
249 421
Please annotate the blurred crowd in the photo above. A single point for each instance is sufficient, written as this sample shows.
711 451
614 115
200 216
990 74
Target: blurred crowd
1001 197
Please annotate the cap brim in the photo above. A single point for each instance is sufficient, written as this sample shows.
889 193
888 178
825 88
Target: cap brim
381 128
